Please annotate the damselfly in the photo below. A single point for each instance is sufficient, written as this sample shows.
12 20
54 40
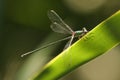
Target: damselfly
59 26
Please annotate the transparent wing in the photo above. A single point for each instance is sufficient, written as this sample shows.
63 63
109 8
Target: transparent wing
58 28
55 18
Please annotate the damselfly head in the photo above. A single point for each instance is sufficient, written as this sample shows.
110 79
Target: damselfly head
84 30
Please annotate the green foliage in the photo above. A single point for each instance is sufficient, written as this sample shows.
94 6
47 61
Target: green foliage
101 39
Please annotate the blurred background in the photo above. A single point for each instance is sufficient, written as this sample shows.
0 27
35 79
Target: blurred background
24 26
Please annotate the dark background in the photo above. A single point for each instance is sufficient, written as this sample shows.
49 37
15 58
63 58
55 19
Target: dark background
24 26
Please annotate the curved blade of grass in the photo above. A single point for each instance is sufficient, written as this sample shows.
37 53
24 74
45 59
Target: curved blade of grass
101 39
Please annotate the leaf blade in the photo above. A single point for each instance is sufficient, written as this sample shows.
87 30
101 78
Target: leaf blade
98 41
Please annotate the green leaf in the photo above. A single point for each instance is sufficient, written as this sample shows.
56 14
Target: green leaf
101 39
